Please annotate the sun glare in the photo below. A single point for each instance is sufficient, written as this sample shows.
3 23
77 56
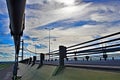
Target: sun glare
67 2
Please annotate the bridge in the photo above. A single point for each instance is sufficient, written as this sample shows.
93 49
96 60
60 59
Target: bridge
99 53
89 56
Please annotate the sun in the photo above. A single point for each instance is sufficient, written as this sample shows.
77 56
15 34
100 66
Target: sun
67 2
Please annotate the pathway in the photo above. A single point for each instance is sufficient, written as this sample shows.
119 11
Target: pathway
6 74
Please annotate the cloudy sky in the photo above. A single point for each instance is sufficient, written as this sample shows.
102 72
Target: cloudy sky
70 22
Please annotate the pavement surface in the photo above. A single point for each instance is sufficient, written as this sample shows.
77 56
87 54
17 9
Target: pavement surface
23 68
6 74
111 65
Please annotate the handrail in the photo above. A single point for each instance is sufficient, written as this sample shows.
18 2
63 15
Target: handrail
94 39
92 50
95 44
100 51
114 34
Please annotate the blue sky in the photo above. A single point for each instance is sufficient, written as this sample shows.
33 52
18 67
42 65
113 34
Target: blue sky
74 21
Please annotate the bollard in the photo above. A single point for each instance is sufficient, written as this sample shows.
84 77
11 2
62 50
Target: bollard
55 59
62 55
42 57
75 58
113 58
67 59
105 56
34 59
30 60
83 59
51 59
87 57
100 59
90 59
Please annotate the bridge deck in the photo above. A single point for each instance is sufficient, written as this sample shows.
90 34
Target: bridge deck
6 74
113 65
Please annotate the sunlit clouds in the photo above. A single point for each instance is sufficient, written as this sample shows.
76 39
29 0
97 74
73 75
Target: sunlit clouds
66 2
74 21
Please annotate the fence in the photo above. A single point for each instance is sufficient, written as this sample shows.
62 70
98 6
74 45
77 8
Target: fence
101 47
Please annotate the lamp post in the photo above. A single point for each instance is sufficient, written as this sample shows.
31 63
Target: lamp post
35 48
22 47
49 29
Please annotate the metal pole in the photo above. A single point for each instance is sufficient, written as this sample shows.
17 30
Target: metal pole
49 44
35 48
62 55
22 48
49 40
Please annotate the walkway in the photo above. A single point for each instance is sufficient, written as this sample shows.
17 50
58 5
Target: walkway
6 74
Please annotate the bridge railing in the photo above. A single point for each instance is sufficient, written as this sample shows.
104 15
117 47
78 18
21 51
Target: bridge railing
99 46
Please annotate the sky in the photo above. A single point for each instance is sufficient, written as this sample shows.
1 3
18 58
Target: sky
70 22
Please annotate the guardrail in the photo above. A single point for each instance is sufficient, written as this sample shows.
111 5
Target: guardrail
99 46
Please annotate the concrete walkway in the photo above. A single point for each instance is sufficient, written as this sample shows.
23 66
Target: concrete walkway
6 74
23 68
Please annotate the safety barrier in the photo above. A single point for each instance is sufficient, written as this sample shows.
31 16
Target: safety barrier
99 46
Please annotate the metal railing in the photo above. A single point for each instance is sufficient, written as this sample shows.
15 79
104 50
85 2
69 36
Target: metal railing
104 45
85 50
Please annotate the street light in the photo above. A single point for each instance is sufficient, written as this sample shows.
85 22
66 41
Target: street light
49 29
22 47
35 48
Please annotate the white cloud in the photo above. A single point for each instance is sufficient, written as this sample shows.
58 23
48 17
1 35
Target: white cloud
51 11
106 13
69 3
44 17
103 13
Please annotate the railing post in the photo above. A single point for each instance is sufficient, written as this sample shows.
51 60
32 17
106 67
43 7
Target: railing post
30 60
75 58
67 59
42 57
34 59
62 55
22 48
